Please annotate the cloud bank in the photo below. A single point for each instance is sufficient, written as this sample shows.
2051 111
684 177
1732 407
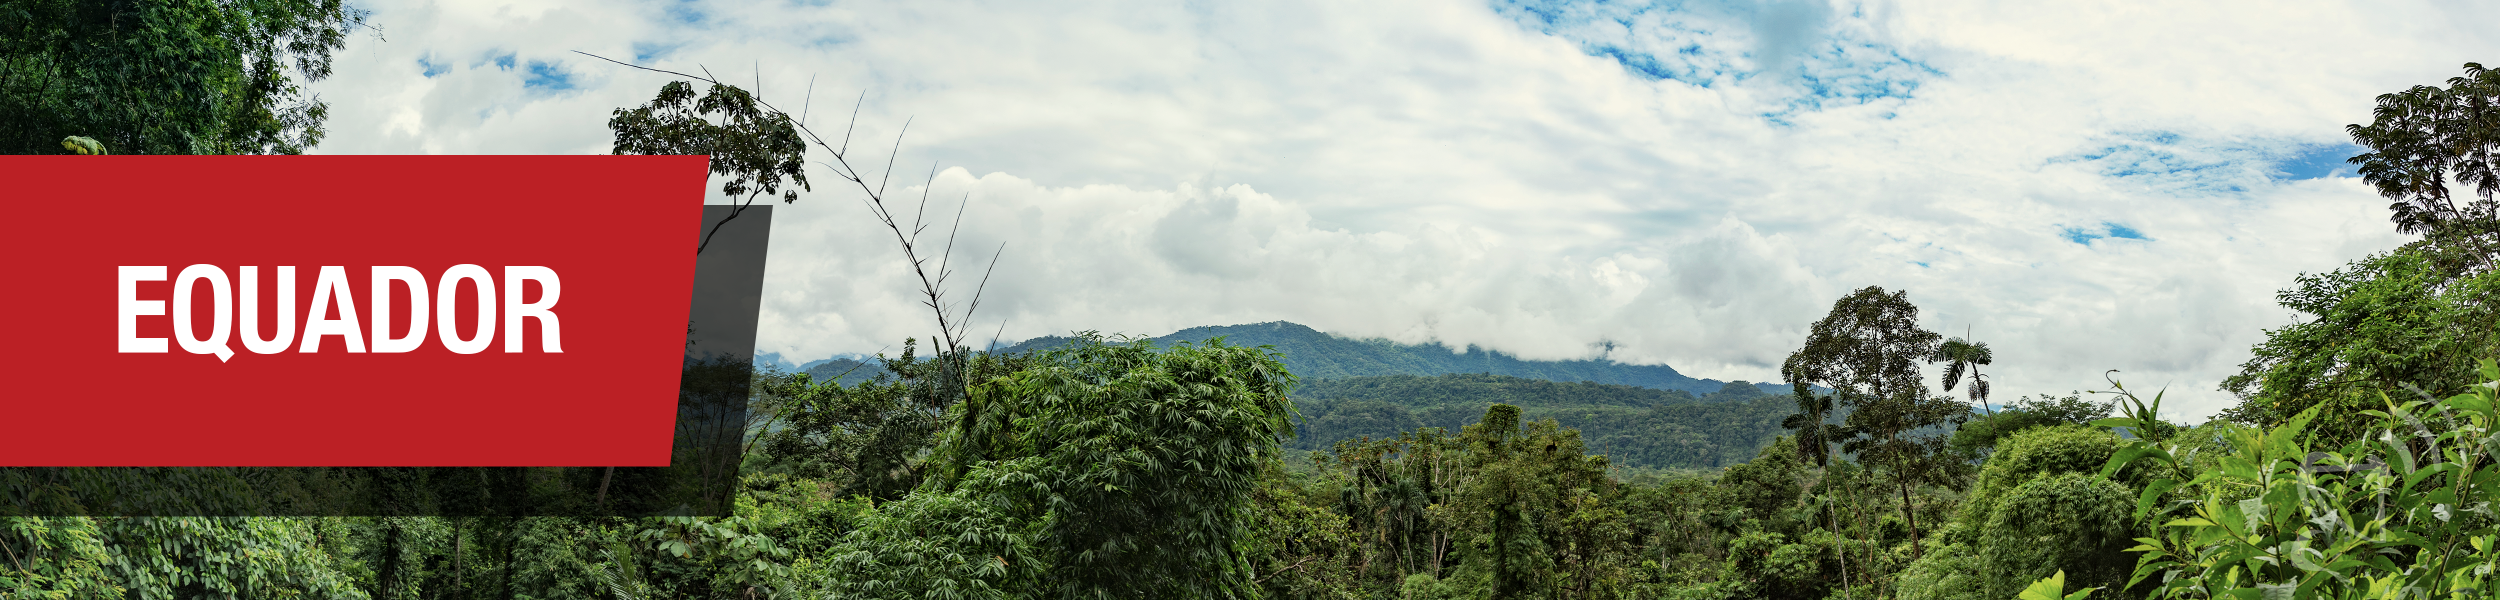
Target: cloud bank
2085 187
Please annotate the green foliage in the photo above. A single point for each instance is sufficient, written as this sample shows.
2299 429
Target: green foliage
1306 551
2418 139
751 145
1948 572
1766 487
2032 454
870 435
1633 427
57 559
166 558
2375 327
2066 522
2403 511
1868 350
1981 435
1764 564
1476 391
947 544
1134 465
754 147
1815 431
83 146
1961 355
2049 588
166 76
2416 316
2038 506
1529 483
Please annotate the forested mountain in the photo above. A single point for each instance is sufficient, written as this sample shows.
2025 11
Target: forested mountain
1644 416
845 370
1312 354
1632 426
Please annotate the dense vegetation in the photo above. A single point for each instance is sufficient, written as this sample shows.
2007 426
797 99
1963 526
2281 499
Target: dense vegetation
2360 463
167 77
1643 428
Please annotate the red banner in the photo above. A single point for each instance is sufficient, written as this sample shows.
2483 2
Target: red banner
346 310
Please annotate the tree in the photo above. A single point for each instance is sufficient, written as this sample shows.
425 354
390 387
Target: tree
1868 351
753 147
1815 432
167 76
2420 138
2386 324
1961 355
870 438
1529 483
1979 437
2412 317
769 129
1132 469
1814 439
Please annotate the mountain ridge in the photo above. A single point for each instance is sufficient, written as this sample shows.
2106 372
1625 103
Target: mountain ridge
1313 354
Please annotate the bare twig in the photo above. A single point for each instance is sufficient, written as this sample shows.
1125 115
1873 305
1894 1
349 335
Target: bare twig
953 328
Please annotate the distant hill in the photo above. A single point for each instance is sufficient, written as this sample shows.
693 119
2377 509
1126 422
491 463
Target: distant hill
1632 426
1647 416
849 371
1311 354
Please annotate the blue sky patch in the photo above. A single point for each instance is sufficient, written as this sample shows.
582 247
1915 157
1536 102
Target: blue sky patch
430 67
685 12
1642 64
1813 59
1653 41
2319 161
547 77
2169 159
2107 230
645 51
503 61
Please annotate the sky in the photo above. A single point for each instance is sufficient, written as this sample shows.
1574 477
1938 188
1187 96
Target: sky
2083 186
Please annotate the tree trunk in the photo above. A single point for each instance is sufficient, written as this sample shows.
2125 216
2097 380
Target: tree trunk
1838 549
459 578
387 580
1907 511
602 501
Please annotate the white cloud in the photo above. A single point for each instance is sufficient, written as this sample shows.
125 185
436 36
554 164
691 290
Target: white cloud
1693 183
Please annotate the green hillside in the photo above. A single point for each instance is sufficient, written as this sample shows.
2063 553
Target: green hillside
1632 426
1312 355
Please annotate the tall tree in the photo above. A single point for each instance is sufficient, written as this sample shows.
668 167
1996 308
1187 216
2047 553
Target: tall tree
1815 432
2421 138
2412 317
1961 355
1528 485
1814 439
1868 350
752 147
1131 468
2381 324
167 76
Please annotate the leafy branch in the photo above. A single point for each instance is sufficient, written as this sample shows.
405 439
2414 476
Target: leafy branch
953 326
